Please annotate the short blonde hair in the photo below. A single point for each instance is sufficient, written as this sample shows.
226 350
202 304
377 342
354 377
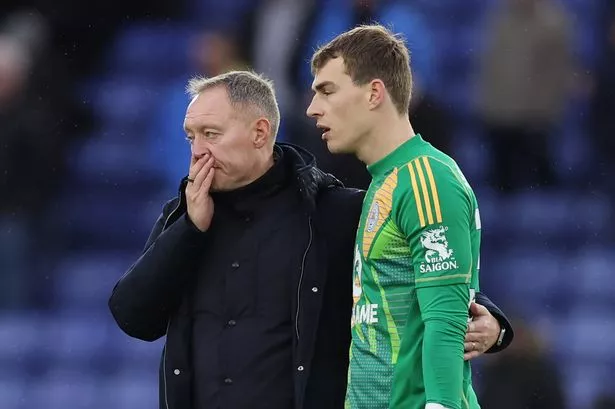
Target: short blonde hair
245 90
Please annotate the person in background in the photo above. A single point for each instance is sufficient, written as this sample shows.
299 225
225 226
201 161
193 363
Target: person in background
526 79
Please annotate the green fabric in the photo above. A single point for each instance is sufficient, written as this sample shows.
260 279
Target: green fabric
445 315
415 271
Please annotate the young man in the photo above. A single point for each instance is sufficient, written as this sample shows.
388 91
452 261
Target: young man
417 246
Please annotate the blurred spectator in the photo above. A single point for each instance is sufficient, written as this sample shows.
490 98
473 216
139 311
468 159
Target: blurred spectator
80 31
525 84
213 53
603 120
35 128
273 17
429 117
522 376
210 53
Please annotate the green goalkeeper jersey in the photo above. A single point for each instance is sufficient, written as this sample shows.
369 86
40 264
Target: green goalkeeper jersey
415 273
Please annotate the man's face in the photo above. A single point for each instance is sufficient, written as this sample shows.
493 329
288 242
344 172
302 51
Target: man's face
213 125
340 107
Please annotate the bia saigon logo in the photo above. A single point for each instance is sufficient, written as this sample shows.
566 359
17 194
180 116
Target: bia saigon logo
438 256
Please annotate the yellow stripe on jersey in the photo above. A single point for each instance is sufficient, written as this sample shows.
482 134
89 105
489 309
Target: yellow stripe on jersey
423 182
384 198
419 171
434 189
417 197
439 278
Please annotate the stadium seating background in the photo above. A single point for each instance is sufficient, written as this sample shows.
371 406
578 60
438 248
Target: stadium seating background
547 257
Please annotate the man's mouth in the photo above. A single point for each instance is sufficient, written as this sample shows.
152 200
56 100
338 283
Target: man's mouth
325 130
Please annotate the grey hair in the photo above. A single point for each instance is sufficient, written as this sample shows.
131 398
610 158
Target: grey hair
245 89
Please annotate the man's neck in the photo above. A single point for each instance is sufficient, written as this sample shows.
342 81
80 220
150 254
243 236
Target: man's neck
261 168
256 173
384 140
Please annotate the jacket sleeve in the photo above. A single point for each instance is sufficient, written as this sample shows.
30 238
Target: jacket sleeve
505 324
152 288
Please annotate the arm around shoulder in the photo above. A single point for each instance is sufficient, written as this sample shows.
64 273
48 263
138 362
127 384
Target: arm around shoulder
152 288
342 204
506 330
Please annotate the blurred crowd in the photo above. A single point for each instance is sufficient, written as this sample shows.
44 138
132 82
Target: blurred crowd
92 101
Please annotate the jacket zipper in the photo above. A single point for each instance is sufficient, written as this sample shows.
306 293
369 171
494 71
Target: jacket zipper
164 369
164 358
179 203
301 277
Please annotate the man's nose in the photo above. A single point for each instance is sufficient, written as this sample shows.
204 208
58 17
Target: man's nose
199 148
312 110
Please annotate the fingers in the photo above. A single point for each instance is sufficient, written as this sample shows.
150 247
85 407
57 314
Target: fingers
475 337
478 326
474 346
470 355
203 171
196 165
478 310
208 179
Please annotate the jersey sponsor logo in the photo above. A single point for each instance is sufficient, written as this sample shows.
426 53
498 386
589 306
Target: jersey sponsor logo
438 257
372 217
365 314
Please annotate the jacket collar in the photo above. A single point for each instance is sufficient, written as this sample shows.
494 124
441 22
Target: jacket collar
311 180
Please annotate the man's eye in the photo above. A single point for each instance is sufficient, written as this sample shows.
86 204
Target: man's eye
190 139
209 134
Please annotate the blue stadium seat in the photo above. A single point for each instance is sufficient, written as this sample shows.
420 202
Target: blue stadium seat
590 335
593 278
134 389
95 222
125 101
86 280
73 339
14 392
584 381
113 160
531 275
152 50
19 335
75 388
544 216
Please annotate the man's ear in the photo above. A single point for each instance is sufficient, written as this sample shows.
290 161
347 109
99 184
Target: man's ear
377 93
262 132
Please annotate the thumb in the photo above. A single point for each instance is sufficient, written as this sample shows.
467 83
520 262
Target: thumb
478 310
